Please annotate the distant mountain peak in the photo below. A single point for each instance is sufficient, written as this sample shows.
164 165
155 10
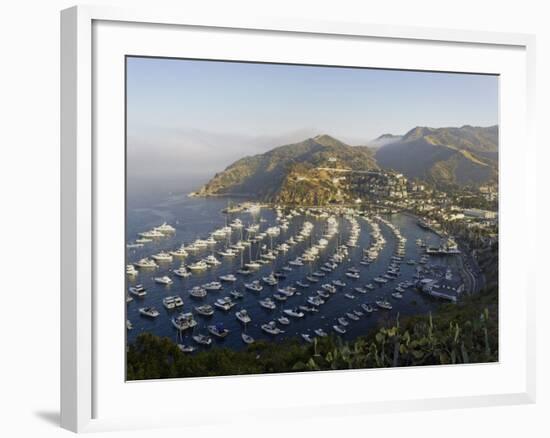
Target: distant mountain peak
328 141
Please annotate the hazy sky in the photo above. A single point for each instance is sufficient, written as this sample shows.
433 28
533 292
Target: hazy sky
214 112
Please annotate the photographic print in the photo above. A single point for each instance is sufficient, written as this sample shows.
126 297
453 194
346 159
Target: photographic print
289 218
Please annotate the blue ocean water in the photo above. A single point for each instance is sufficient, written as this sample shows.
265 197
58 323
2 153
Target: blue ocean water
196 217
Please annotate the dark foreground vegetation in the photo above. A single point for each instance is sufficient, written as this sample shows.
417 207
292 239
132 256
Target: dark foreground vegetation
457 333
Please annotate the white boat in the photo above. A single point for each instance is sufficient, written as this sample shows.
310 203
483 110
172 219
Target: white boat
338 283
184 321
211 260
268 303
253 265
228 252
367 308
129 325
243 316
397 295
165 228
283 320
229 278
384 304
349 296
180 252
198 292
352 316
202 339
369 286
138 290
186 348
146 263
236 294
151 312
205 310
295 313
131 270
151 234
163 280
307 337
247 339
162 257
213 285
134 245
380 280
339 329
143 240
321 333
353 275
271 328
270 280
255 286
343 322
198 266
218 330
182 272
224 303
172 302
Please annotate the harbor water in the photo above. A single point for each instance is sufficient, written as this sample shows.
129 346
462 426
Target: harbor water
195 218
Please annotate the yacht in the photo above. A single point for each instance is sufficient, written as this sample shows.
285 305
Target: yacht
306 337
151 234
384 304
268 303
343 322
321 333
308 309
315 300
129 299
163 280
369 286
312 279
228 252
162 257
352 316
143 240
184 321
218 330
247 339
296 262
182 272
271 328
229 278
198 266
270 280
358 313
205 310
243 316
180 252
283 320
198 292
280 297
213 285
186 348
138 290
172 302
397 295
353 275
151 312
253 265
302 284
211 260
236 294
329 288
255 286
339 329
288 291
367 308
129 325
360 290
165 228
295 313
323 294
243 271
131 270
224 303
202 339
380 280
338 283
146 263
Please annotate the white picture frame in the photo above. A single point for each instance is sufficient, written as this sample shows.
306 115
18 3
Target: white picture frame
83 370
